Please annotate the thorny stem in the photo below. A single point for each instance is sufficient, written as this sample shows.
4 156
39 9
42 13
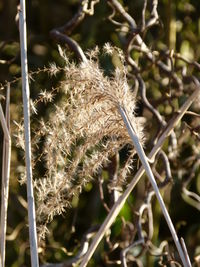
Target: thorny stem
119 204
26 107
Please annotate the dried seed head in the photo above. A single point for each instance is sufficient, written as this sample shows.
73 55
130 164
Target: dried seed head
84 131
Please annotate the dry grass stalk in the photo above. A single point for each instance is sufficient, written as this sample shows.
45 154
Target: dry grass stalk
5 173
26 106
150 175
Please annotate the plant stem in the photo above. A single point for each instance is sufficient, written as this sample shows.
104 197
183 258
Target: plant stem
119 204
145 163
185 252
26 108
5 174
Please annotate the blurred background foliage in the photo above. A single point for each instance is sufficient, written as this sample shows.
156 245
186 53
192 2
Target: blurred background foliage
179 30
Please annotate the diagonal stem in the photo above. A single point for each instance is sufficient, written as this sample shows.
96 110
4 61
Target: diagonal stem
119 204
143 158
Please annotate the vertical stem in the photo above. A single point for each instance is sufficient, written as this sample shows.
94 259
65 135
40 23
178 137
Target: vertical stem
149 173
5 176
26 107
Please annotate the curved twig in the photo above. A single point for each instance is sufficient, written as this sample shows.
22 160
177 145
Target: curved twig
61 34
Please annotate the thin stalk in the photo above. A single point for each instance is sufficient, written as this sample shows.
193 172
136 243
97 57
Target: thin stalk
4 125
185 252
5 175
26 108
145 163
119 204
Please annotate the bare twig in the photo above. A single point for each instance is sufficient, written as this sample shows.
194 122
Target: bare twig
117 7
61 34
100 182
5 174
155 112
119 204
154 15
167 168
113 167
125 251
191 198
26 107
83 248
143 16
193 63
62 38
141 237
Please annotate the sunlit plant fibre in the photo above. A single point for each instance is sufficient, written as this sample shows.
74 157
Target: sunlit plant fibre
83 132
